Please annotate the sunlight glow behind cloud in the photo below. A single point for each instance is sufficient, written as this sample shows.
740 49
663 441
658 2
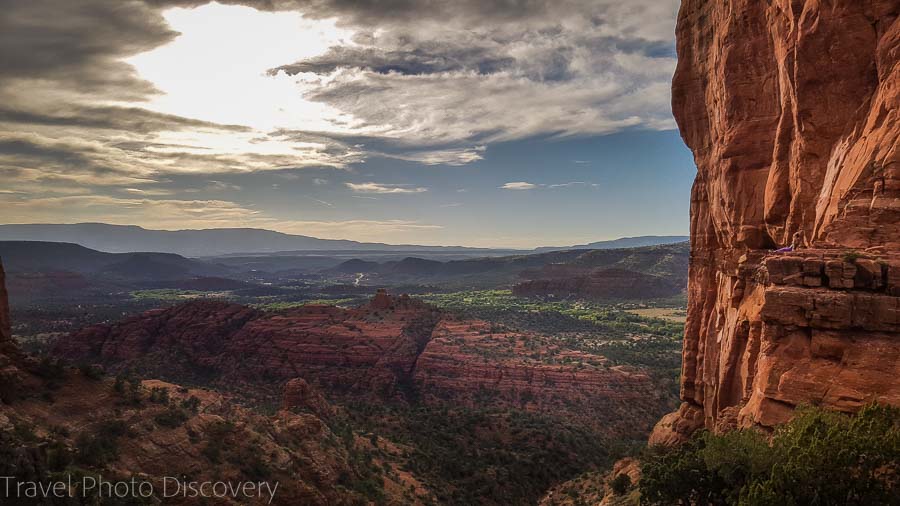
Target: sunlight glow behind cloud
216 70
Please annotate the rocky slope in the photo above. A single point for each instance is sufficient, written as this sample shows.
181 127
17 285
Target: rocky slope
368 349
470 363
391 348
791 109
58 421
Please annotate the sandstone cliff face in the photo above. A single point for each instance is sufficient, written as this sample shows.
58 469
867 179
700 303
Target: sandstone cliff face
791 109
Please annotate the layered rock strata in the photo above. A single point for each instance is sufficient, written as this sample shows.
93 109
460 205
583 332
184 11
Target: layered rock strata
392 348
791 110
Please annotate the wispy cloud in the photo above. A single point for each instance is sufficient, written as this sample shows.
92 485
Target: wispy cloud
326 204
519 185
524 185
388 189
149 192
573 183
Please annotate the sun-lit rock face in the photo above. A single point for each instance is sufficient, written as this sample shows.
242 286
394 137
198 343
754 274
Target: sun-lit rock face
791 109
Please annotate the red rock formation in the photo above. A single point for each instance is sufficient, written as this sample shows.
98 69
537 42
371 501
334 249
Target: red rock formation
5 332
466 362
217 440
299 395
791 109
386 349
12 376
369 349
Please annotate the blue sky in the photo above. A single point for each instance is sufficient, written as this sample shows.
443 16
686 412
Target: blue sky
622 184
473 123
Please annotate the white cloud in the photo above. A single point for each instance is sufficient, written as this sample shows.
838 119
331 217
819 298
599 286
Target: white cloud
573 183
384 188
523 185
519 185
452 157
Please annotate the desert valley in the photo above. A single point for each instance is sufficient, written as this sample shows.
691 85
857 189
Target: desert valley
484 371
211 355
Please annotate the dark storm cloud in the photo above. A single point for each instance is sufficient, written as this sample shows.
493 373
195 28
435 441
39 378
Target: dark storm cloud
130 119
79 43
385 12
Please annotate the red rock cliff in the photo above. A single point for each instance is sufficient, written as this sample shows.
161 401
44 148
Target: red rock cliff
5 333
791 109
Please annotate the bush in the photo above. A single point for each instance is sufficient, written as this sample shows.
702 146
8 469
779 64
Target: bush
172 417
191 404
100 446
51 369
159 395
819 458
91 372
620 484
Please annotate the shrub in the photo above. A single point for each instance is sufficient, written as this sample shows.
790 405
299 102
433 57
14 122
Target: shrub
91 372
159 395
100 446
51 369
171 417
620 484
820 457
191 404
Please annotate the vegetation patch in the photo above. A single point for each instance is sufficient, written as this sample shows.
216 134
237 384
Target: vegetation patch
819 458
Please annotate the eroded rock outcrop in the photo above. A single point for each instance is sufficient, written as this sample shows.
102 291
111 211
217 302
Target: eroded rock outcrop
393 348
791 109
370 349
298 395
470 363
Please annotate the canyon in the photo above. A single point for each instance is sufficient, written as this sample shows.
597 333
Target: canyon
791 110
394 348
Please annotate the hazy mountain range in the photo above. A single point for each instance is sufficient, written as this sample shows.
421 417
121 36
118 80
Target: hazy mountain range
623 242
229 241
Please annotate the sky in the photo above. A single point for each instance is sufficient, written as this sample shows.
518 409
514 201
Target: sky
514 123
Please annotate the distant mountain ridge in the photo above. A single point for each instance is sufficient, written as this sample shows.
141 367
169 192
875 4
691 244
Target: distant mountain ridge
193 243
623 242
234 241
53 257
667 262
